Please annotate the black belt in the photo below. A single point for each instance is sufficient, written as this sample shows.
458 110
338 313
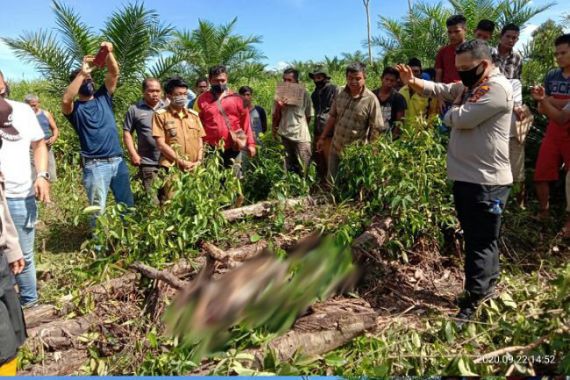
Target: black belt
106 159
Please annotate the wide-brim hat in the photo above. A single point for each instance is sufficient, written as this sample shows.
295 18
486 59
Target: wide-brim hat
7 130
319 70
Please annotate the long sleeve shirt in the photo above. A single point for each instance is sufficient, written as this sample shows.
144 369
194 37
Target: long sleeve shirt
480 122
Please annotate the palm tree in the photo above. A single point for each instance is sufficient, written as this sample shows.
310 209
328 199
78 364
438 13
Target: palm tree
369 37
211 45
136 33
422 32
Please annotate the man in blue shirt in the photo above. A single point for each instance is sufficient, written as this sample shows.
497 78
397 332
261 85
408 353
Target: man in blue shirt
92 118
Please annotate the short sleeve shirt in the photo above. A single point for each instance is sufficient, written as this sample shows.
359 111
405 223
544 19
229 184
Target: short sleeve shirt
293 124
394 104
94 122
182 131
356 118
15 160
557 86
445 60
139 119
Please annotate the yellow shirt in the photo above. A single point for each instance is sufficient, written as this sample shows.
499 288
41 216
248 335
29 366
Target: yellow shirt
418 105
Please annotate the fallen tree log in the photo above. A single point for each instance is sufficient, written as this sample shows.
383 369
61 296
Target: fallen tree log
58 335
372 239
332 324
262 209
161 275
40 314
58 364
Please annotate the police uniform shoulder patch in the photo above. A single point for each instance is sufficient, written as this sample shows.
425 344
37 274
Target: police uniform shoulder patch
160 111
479 92
193 112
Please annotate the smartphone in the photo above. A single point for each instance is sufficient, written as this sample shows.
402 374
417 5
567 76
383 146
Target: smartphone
101 57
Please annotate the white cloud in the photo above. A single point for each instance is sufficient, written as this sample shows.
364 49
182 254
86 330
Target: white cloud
526 33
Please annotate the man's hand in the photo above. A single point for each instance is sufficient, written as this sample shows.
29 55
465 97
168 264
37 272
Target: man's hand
251 150
406 73
51 140
41 187
107 45
538 93
135 159
87 65
320 145
519 113
17 266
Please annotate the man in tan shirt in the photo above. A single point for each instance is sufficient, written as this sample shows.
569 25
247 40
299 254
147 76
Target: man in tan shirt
477 161
178 130
355 115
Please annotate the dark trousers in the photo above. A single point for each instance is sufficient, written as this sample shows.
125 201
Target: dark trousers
148 174
481 227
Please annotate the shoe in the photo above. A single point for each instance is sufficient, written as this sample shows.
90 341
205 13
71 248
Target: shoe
464 316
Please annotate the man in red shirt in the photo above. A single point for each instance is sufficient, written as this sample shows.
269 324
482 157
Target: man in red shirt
221 109
445 70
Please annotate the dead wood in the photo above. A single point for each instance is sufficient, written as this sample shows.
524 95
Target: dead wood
58 364
40 314
331 324
262 209
161 275
58 335
372 239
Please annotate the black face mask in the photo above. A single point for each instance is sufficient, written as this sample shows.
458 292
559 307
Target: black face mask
218 88
320 83
471 77
87 89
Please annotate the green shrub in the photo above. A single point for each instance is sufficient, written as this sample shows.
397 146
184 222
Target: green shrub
405 179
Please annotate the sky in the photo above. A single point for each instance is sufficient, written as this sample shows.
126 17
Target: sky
291 29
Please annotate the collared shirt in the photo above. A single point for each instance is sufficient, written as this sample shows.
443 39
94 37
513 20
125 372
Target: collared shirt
139 119
323 99
293 122
445 60
478 150
510 64
182 131
356 118
215 123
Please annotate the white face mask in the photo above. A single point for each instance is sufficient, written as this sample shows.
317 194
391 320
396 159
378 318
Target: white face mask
179 100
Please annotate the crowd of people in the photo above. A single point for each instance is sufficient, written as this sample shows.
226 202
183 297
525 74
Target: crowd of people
474 88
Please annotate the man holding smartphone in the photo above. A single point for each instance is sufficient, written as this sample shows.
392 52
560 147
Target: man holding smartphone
91 115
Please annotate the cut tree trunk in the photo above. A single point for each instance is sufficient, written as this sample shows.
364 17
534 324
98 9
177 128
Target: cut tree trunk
263 209
58 335
58 364
332 324
368 243
39 315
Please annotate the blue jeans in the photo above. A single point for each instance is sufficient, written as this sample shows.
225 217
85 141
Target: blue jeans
24 213
101 174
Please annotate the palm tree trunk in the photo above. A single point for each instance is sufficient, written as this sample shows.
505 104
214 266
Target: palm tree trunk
367 8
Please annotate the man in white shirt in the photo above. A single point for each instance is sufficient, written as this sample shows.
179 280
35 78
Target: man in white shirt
22 190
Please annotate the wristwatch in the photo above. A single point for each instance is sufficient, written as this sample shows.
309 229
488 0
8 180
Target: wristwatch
44 175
